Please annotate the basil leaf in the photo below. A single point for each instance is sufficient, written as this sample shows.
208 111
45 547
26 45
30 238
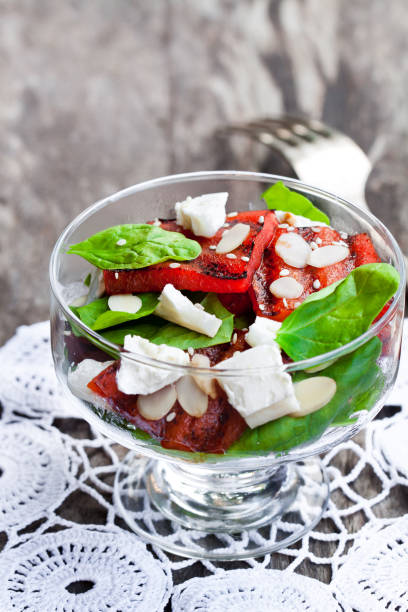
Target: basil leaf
159 331
338 313
279 197
97 315
359 383
87 280
145 245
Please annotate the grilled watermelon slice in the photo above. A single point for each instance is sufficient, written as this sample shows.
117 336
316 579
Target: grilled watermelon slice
210 271
362 251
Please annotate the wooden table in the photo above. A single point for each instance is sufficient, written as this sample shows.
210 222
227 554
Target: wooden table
99 95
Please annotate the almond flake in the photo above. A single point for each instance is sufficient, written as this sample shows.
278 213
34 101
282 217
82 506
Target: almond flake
234 338
156 405
285 303
232 214
286 287
316 284
245 258
293 249
233 238
170 417
125 302
328 255
192 399
174 264
231 256
212 247
116 275
313 393
261 306
261 219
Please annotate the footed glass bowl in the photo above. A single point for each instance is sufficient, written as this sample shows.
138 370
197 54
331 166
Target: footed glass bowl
262 494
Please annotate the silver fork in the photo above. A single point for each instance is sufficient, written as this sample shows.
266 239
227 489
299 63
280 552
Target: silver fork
319 154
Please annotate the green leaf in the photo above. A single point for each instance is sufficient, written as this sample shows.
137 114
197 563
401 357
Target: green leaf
97 315
338 313
359 383
279 197
87 280
159 331
145 245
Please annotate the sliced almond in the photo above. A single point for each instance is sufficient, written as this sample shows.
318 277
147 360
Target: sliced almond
156 405
286 287
204 382
191 398
328 255
233 238
125 302
293 249
313 393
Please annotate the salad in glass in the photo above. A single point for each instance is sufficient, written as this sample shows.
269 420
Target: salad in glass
231 328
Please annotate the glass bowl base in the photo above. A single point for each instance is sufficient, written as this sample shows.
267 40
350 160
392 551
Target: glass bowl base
197 513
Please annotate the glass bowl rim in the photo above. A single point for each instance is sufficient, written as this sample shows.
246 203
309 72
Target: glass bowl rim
227 175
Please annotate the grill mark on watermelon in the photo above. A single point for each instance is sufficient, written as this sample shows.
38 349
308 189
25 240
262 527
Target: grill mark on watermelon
210 271
362 251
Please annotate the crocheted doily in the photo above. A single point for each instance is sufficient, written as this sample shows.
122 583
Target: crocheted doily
381 580
260 590
113 570
57 471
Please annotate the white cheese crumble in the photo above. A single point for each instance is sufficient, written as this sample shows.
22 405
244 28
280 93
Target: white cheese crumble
260 395
204 214
316 284
136 377
174 264
79 378
284 272
297 220
231 256
262 331
177 308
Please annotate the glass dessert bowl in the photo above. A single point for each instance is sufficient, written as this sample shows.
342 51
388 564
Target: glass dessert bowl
265 487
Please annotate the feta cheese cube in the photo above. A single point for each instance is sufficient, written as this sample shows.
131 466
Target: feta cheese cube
262 331
136 377
204 215
258 395
177 308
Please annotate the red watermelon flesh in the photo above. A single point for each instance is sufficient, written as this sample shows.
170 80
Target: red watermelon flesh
210 271
362 251
214 432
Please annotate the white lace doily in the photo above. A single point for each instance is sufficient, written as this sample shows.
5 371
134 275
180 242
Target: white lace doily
113 569
381 582
34 470
260 590
65 471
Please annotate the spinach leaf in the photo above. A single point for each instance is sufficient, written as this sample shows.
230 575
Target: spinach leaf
338 313
279 197
144 245
359 384
97 315
159 331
